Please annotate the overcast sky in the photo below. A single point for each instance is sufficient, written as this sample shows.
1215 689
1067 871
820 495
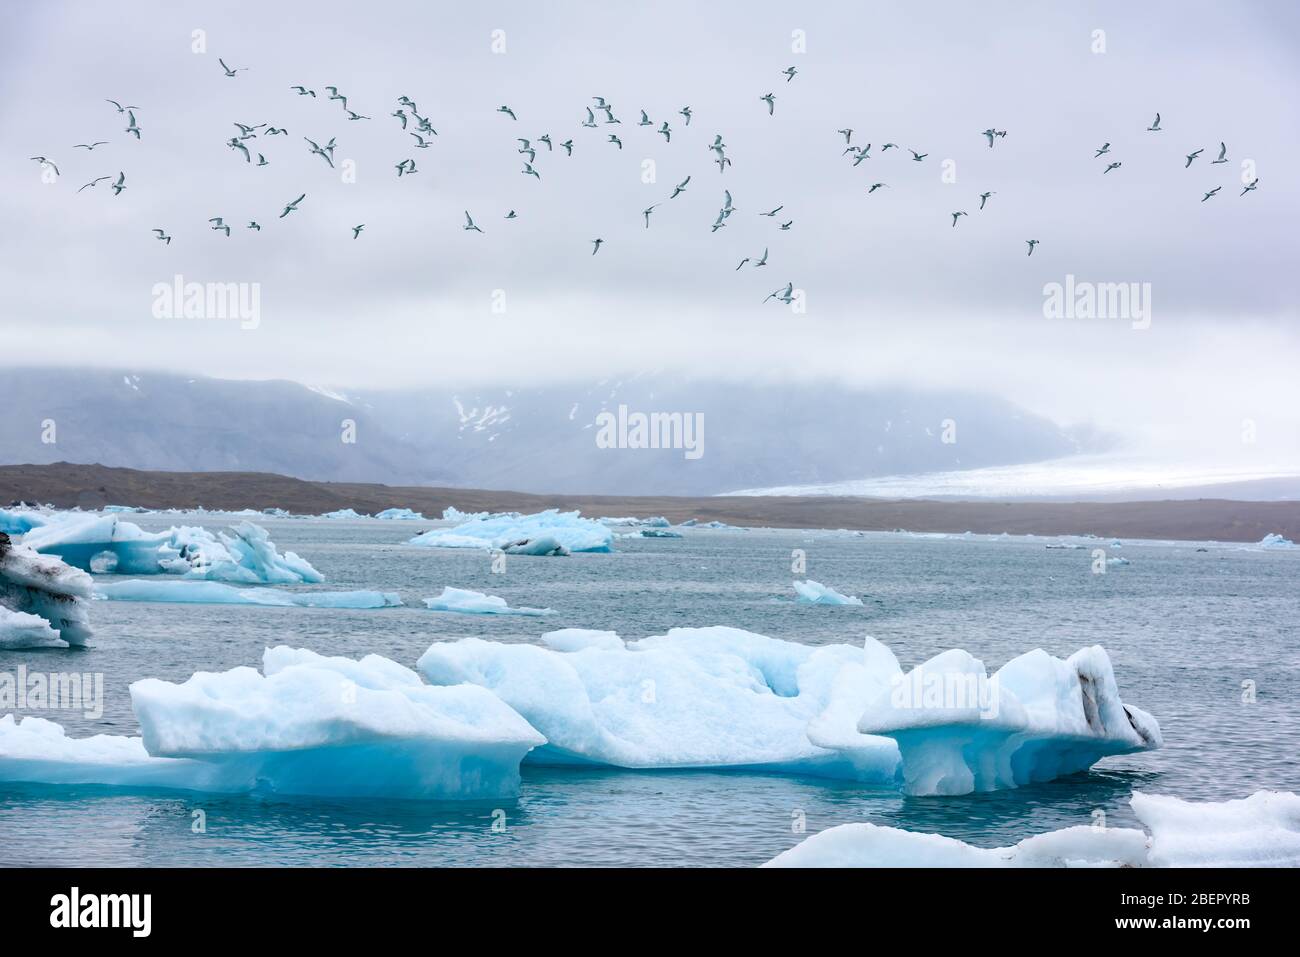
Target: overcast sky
894 293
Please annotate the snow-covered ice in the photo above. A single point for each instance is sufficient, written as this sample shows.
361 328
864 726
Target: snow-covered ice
551 532
815 593
468 602
400 515
43 586
1274 540
217 593
1037 718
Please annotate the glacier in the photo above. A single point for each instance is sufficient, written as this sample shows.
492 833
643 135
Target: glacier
815 593
218 593
1037 718
551 532
1262 830
44 587
108 543
466 602
307 725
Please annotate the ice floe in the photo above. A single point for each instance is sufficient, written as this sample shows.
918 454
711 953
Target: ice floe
107 543
400 515
468 602
307 724
1262 830
551 532
217 593
44 587
1274 540
341 513
815 593
1035 719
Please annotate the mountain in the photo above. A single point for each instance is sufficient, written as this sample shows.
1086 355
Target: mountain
534 439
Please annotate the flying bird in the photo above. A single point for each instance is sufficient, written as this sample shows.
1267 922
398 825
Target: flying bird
1155 126
1213 192
645 120
292 207
507 111
89 146
420 142
303 91
646 214
97 179
121 183
261 160
221 226
1105 148
890 146
787 225
984 197
686 112
1111 167
120 107
615 139
512 215
785 295
595 246
770 100
229 71
666 131
789 73
590 120
1192 156
774 211
529 171
742 262
1031 243
1223 153
546 138
876 186
44 162
680 188
163 236
469 223
568 147
356 230
131 126
401 116
355 116
847 134
322 151
956 216
763 260
1252 185
254 225
406 166
917 157
235 144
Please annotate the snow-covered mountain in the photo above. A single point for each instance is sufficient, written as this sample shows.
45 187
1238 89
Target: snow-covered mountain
535 439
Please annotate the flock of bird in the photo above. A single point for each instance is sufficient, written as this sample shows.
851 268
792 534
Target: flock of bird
421 129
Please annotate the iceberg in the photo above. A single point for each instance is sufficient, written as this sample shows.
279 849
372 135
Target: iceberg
400 515
43 587
217 593
341 513
21 521
307 725
1274 540
657 521
815 593
551 532
105 544
1035 719
1262 830
468 602
695 698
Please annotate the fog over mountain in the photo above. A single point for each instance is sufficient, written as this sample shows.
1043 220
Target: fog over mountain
529 439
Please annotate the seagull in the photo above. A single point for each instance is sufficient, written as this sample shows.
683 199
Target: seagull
130 124
891 146
615 139
261 160
645 120
276 131
1105 148
407 101
762 261
356 230
507 111
253 224
97 179
723 162
229 71
1212 192
680 188
568 147
1111 167
718 144
785 295
420 142
742 262
546 138
44 162
322 152
512 215
526 148
1223 153
789 73
1252 185
355 116
293 206
876 186
686 112
469 223
990 133
590 120
249 130
222 226
595 246
529 171
956 216
719 222
423 123
600 103
787 225
336 95
303 91
1155 127
646 214
847 134
401 115
1031 243
1192 156
163 236
863 154
406 166
773 212
770 100
89 146
234 144
668 133
918 156
120 107
727 208
984 197
121 183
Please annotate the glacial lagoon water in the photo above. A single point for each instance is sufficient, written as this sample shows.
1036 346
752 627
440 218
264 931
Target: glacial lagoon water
1185 629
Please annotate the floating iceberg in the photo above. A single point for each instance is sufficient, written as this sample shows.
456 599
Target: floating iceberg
1262 830
657 521
1118 560
1274 540
341 513
551 532
815 593
14 521
216 593
309 725
43 587
400 515
1035 719
694 698
452 514
467 602
108 544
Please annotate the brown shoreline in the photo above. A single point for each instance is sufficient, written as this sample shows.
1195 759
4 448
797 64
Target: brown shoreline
91 486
